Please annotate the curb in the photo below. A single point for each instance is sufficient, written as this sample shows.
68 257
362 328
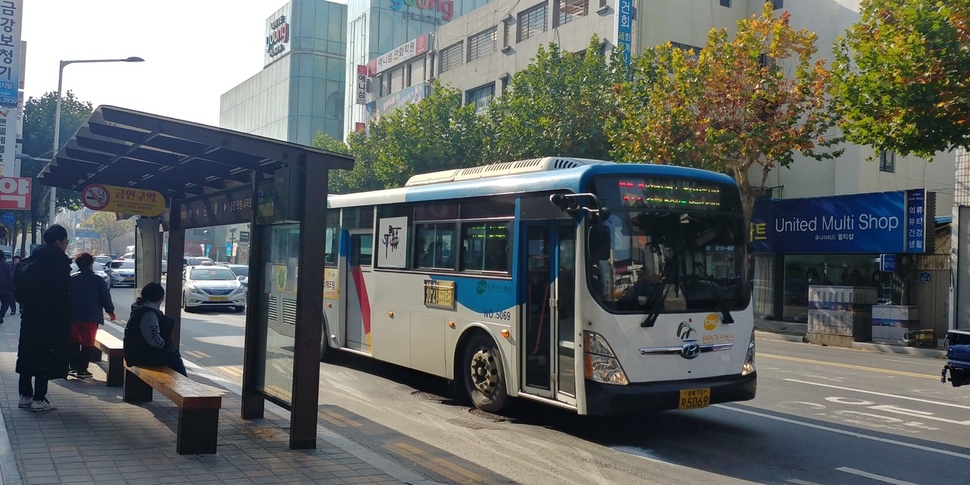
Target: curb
868 346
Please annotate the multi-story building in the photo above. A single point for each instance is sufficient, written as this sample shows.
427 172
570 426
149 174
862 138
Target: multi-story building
479 52
300 90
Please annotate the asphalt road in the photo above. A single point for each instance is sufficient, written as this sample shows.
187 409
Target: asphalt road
823 415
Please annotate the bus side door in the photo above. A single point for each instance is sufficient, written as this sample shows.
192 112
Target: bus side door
548 330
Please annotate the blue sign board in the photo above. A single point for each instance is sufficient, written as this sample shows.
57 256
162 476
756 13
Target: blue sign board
887 263
916 221
86 234
8 218
228 248
624 27
860 223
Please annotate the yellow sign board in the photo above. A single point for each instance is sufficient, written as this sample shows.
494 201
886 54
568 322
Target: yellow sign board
123 200
330 291
439 294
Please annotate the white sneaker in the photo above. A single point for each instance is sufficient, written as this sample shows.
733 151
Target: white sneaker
44 405
25 401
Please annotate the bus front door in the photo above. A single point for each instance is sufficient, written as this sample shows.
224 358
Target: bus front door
357 316
548 333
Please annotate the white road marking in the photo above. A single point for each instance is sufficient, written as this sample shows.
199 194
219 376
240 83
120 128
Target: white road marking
873 476
927 401
847 433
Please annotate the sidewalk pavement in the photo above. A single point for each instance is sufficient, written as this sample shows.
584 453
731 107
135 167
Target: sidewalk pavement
795 332
95 437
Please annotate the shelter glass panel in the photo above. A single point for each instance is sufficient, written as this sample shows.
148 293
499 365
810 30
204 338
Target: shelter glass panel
278 292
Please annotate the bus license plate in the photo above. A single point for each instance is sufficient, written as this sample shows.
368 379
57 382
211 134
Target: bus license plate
226 298
695 398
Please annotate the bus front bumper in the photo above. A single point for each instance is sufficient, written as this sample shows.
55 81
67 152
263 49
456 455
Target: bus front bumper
608 399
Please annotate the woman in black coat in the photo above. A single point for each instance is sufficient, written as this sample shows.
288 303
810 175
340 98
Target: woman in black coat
45 325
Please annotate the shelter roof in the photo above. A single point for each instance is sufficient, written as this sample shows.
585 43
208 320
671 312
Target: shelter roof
123 147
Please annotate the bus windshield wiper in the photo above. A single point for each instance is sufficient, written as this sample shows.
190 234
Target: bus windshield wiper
659 292
727 318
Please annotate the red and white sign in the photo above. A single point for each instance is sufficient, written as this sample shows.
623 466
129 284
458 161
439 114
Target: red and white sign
95 197
15 193
361 84
399 54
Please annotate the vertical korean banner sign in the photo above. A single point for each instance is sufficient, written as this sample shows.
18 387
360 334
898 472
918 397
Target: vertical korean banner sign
361 84
624 28
11 13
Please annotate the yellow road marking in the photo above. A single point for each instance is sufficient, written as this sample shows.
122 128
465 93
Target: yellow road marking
439 465
233 370
197 354
850 366
279 392
338 419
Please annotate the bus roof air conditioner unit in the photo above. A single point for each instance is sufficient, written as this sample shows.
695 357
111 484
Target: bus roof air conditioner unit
498 169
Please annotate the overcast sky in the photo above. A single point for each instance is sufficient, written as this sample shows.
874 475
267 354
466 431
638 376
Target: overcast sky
194 51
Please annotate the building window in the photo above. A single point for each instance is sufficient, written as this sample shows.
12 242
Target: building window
887 162
726 3
481 44
397 80
506 33
569 10
778 4
416 72
532 21
694 51
481 96
451 57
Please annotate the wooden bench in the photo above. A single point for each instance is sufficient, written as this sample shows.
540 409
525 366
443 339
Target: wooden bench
114 348
199 404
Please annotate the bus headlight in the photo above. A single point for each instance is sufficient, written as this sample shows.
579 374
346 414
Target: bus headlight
748 366
601 362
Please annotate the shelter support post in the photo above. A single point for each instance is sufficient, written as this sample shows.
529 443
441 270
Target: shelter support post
309 308
253 401
173 281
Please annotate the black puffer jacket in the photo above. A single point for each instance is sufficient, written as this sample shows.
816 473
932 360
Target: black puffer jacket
45 328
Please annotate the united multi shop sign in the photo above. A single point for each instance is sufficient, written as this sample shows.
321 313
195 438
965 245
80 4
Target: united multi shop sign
882 222
399 54
15 193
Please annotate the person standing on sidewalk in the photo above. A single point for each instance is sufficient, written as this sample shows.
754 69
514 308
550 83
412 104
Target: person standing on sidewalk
14 262
90 297
6 287
43 288
148 334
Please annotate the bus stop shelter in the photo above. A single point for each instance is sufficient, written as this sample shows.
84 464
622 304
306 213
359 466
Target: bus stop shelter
213 176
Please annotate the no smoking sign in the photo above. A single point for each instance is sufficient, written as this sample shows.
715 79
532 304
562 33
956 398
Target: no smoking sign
95 197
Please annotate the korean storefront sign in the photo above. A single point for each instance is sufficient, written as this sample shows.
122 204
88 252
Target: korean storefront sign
361 90
15 193
624 27
399 55
884 222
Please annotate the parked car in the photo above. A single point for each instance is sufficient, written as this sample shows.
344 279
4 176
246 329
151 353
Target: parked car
99 270
122 272
103 259
211 286
242 273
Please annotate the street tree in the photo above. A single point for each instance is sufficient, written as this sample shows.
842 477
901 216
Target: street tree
38 144
558 105
437 133
902 76
109 227
741 105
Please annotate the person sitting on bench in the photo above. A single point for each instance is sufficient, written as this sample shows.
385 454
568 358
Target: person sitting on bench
148 335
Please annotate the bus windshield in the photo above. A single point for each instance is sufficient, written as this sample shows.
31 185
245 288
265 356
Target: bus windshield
665 260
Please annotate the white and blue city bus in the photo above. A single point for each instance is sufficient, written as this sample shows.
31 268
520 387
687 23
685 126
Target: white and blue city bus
598 287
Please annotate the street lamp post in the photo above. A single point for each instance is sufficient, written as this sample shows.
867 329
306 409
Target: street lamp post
57 118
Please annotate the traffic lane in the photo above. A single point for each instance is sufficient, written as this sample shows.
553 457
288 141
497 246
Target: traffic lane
868 393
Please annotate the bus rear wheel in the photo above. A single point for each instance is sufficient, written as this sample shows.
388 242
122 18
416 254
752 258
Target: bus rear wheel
484 375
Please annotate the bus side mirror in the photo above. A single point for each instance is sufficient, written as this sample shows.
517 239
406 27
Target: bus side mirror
598 242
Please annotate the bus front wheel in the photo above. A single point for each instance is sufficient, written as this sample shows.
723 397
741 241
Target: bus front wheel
484 374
